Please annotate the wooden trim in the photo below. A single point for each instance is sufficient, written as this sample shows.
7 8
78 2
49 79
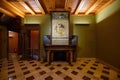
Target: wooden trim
111 66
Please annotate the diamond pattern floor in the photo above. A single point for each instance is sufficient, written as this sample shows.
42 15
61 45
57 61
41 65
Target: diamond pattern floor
82 69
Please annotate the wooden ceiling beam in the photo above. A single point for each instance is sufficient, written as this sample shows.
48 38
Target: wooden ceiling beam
52 4
34 7
93 7
27 7
106 4
12 8
43 6
66 4
40 7
7 12
81 4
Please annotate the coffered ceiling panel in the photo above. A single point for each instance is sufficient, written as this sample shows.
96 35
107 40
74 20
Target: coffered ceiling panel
23 8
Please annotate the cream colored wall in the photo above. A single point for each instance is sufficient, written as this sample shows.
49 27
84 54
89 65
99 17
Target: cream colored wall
111 9
86 42
84 28
108 36
108 40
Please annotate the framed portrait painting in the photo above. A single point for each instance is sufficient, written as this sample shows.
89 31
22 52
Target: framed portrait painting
60 28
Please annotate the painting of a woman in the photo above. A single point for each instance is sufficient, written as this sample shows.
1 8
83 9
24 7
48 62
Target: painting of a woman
60 30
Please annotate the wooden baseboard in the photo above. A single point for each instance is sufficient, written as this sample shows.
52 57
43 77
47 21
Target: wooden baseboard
84 58
101 61
111 66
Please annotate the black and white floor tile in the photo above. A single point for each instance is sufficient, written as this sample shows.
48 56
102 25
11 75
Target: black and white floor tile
82 69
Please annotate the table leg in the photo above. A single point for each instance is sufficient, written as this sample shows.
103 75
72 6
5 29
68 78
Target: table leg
67 56
52 56
48 57
70 57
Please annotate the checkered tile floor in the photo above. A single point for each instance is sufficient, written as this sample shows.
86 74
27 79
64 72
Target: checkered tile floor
83 69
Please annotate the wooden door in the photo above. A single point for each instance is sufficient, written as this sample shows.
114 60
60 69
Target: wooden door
34 43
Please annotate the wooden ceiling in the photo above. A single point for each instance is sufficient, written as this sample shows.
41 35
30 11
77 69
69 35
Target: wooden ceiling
23 8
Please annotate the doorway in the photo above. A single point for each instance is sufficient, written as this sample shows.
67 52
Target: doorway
13 43
34 43
30 40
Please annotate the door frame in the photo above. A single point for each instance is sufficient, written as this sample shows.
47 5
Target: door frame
29 27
